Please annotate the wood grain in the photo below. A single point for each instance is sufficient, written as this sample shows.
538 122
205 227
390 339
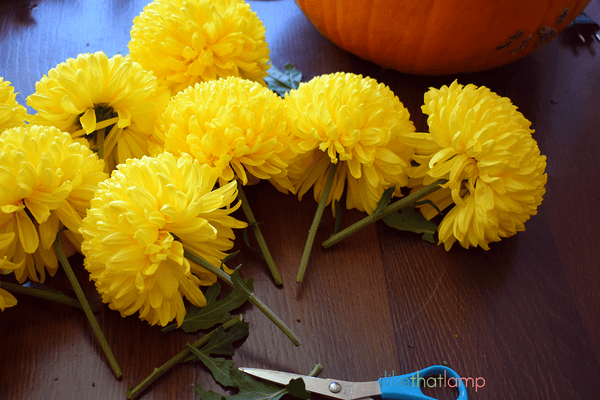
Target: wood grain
524 316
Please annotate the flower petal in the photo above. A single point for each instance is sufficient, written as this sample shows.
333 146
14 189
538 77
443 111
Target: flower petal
88 121
28 235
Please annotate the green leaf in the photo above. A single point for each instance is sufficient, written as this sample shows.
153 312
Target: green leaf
208 394
283 82
243 288
219 367
385 199
297 388
408 219
252 389
431 203
215 311
221 341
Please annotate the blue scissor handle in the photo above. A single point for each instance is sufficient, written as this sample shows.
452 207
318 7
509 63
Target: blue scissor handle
406 387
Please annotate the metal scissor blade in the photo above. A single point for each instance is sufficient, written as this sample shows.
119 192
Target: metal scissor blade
282 378
328 387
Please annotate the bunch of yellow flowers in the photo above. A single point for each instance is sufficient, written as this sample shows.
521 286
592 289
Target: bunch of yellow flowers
138 161
169 129
109 107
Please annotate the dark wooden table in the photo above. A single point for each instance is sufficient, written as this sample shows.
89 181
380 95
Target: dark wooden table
523 316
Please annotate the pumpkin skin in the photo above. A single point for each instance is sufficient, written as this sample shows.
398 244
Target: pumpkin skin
437 37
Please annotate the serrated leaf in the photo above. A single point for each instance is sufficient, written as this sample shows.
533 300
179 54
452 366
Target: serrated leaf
208 394
297 388
215 311
282 82
245 288
221 341
408 219
385 199
219 367
429 202
252 389
294 75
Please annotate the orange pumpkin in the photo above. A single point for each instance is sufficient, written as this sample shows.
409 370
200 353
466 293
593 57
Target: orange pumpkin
441 36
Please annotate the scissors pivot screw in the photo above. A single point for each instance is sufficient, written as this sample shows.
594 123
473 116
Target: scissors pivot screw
335 387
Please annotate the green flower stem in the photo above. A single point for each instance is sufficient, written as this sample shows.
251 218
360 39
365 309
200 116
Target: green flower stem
262 244
135 392
396 206
316 370
252 298
315 224
41 294
86 307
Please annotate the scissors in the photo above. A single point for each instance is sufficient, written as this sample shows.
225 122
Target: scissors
400 387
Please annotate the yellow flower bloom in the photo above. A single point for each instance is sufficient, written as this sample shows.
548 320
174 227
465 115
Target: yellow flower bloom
78 95
11 113
234 125
47 182
189 41
6 300
136 229
356 121
483 146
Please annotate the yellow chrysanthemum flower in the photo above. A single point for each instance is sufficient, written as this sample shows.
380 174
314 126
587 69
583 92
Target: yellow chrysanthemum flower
85 95
11 113
47 182
357 122
189 41
6 300
236 126
483 146
136 229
